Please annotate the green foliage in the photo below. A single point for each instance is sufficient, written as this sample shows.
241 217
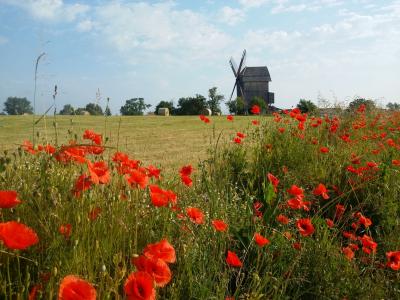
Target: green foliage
134 107
107 111
191 105
355 104
393 106
237 106
94 109
67 110
307 106
166 104
17 106
257 101
214 101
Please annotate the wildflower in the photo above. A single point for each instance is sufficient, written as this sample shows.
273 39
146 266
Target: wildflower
393 258
65 230
321 190
94 137
99 172
153 172
186 180
295 191
255 110
186 170
324 150
260 240
349 235
281 129
274 181
156 267
137 178
237 140
255 122
339 211
396 162
282 219
330 223
348 252
305 227
219 225
297 246
195 215
229 118
206 120
368 244
17 235
364 220
202 117
83 183
9 199
233 260
28 147
74 288
162 250
240 135
94 213
34 291
139 286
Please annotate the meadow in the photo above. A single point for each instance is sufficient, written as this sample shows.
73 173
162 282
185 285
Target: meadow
284 207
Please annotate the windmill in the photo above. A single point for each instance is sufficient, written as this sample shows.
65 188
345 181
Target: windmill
251 82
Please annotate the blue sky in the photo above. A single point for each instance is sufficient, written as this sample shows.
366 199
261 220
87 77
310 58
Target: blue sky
164 50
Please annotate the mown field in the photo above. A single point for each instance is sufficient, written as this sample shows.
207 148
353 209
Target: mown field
164 141
291 207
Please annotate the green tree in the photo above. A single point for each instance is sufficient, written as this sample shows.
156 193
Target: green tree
134 107
355 104
17 106
94 109
166 104
306 106
258 101
393 106
214 100
107 111
191 105
236 106
67 110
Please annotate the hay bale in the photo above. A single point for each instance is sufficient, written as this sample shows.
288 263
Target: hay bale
206 112
163 111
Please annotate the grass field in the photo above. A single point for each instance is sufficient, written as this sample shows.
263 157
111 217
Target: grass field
164 141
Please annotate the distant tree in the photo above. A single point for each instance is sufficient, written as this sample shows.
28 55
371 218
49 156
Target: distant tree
191 105
393 106
166 104
214 100
94 109
355 104
107 111
17 106
236 106
67 110
134 107
258 101
306 106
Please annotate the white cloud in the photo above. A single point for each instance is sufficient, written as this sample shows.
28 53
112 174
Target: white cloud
51 10
252 3
85 25
231 16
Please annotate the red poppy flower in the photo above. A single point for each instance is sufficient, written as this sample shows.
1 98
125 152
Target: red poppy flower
364 220
241 135
83 183
348 252
281 129
160 197
153 172
260 240
202 117
393 258
195 215
233 260
186 180
9 199
297 246
305 227
186 170
324 150
274 181
237 140
206 120
219 225
28 147
34 291
99 172
298 203
396 162
321 190
137 178
295 191
255 122
340 209
282 219
155 267
94 137
330 223
139 286
368 244
74 288
65 230
17 235
255 110
163 250
229 118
